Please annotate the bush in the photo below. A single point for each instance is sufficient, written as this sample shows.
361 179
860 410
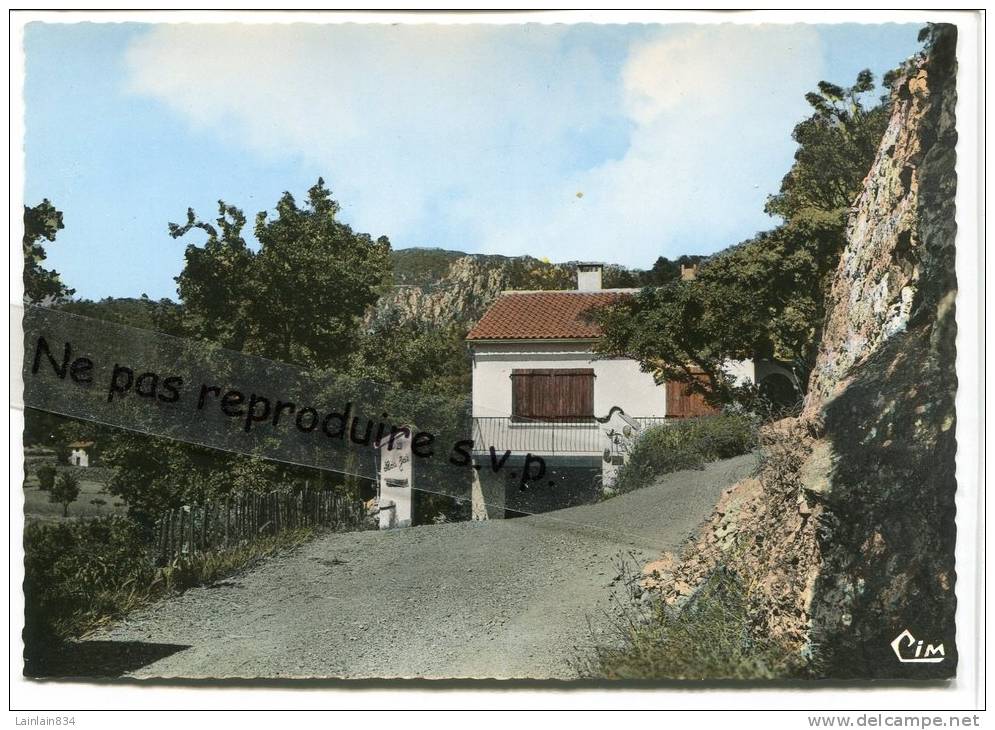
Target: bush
73 570
709 637
78 575
686 444
46 477
65 491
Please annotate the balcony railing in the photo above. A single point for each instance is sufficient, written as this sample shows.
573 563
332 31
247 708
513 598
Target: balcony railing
544 437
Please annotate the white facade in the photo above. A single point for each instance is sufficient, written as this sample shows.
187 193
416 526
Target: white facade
617 382
395 498
625 400
79 457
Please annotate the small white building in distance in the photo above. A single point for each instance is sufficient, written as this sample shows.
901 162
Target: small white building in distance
79 453
539 388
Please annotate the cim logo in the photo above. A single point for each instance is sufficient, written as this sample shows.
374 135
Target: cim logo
910 650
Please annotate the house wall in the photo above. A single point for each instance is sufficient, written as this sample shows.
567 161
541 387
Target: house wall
617 382
79 457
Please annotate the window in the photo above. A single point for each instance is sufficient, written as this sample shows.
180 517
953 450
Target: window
682 404
552 394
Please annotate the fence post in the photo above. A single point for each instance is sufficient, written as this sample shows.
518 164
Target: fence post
203 528
172 534
183 529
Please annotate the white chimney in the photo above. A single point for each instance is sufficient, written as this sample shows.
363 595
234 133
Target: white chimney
589 276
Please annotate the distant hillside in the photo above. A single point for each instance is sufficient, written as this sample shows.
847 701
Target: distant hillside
422 266
432 287
438 287
137 312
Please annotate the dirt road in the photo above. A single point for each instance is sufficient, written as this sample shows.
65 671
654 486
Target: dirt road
507 598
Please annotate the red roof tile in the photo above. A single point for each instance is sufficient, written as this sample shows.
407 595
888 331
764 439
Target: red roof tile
546 315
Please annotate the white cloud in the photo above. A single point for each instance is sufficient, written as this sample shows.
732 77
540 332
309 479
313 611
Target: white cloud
477 129
713 108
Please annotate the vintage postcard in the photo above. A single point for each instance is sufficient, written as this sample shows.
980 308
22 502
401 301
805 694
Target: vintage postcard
513 348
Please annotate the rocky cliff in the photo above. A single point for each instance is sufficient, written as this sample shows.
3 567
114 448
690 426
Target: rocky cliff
461 295
845 538
437 288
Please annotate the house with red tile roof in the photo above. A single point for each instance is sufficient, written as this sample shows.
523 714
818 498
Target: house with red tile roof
80 452
545 401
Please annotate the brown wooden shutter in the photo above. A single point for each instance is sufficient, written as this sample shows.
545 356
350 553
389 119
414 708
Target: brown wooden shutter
682 404
551 394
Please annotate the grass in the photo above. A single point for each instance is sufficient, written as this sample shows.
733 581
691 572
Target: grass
686 444
93 500
74 598
708 637
189 572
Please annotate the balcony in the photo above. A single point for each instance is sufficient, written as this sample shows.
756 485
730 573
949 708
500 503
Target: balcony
564 437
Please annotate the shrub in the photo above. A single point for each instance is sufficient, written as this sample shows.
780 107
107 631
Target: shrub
686 444
709 637
78 575
76 569
46 477
65 491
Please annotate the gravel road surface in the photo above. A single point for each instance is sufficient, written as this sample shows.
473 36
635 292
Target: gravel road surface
504 599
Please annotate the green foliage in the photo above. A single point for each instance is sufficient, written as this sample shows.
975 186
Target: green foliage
298 298
709 637
74 568
666 271
411 355
764 298
46 477
64 491
685 444
81 574
835 147
140 312
41 285
69 430
155 474
421 266
428 267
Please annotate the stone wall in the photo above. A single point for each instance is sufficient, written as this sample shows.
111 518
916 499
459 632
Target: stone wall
845 538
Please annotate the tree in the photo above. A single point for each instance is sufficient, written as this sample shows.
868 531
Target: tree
46 477
299 297
836 145
414 356
65 491
41 285
763 298
665 271
215 284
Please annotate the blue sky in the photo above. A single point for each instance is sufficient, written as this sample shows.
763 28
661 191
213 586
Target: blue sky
618 143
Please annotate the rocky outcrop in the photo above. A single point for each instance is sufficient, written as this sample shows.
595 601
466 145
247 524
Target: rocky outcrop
468 288
899 255
469 284
845 538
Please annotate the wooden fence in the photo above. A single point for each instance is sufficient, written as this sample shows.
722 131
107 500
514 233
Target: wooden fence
232 521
